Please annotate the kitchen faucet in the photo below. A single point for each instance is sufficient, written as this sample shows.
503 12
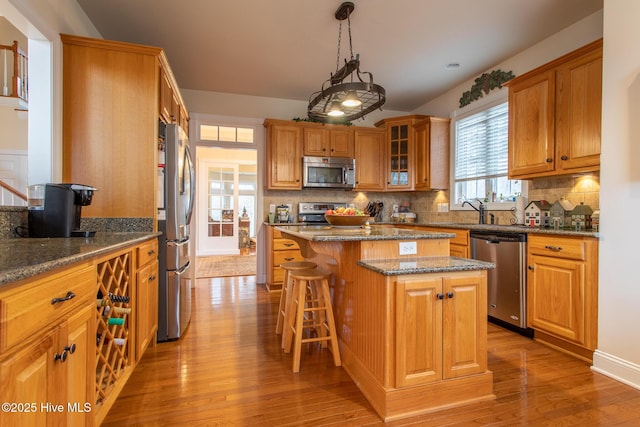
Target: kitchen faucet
481 209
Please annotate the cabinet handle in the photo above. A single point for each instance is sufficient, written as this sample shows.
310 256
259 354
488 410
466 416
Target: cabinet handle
440 296
70 295
289 244
554 248
564 158
152 277
289 259
151 252
449 295
531 268
549 160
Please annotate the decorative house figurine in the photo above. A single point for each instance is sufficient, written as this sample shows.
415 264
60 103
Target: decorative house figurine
581 217
560 213
536 214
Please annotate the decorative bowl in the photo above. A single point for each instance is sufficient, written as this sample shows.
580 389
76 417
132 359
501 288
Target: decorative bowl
346 220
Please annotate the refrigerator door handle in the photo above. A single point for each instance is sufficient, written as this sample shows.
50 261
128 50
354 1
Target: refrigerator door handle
182 269
188 164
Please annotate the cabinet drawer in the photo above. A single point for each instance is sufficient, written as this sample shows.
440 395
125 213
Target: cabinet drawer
557 247
284 244
286 256
147 252
27 310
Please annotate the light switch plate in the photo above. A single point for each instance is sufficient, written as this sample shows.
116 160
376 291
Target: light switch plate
408 248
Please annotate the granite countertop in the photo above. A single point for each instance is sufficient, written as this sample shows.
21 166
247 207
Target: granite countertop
503 228
433 264
21 258
328 233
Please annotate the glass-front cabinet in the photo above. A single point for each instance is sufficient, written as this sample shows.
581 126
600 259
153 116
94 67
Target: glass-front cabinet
400 148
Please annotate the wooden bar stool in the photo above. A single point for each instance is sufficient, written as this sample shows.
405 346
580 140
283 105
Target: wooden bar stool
285 294
307 313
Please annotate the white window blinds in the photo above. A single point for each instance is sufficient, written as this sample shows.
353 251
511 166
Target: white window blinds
481 145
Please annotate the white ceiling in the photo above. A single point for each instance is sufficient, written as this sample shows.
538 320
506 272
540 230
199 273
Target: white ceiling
287 48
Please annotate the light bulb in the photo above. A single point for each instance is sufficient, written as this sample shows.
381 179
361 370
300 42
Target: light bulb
351 100
335 110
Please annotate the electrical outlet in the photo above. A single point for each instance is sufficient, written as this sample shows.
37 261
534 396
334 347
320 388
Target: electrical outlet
408 248
443 207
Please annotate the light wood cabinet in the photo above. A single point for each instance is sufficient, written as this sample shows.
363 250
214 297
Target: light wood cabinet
371 159
555 116
441 328
114 93
458 246
284 155
278 250
48 354
327 142
146 297
562 292
432 154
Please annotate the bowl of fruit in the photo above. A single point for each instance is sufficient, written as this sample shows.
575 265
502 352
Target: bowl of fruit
346 217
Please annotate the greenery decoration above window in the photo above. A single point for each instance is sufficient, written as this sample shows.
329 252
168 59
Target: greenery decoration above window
485 83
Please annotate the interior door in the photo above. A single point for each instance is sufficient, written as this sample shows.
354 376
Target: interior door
217 211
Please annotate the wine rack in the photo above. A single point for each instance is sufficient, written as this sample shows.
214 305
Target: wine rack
113 304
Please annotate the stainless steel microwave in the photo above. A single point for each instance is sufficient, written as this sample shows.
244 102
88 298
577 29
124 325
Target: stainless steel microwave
328 172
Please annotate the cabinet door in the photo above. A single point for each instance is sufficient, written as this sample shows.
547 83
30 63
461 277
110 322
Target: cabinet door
28 378
432 154
555 297
371 159
143 306
341 143
315 142
464 326
532 126
400 157
578 108
284 160
418 331
78 334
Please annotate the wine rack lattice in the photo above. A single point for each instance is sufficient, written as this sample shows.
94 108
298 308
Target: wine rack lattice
113 305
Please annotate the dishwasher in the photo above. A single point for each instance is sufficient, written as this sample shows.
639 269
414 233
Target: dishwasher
507 283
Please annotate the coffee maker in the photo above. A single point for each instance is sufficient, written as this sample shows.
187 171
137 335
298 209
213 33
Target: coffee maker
54 210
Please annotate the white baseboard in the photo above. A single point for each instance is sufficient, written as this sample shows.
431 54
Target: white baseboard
616 368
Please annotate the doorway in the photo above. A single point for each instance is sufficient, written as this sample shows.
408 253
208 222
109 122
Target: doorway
227 201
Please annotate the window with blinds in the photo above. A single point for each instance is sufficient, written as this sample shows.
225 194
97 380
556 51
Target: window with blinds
481 158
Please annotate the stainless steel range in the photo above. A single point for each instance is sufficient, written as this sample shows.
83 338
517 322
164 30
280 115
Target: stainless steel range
313 212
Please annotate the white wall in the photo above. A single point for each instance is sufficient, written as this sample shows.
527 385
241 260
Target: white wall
618 352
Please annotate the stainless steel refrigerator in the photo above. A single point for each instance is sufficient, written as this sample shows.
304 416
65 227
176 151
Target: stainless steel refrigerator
176 192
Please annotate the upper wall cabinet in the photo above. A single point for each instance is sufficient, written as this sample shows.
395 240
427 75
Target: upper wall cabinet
284 155
112 92
555 116
327 141
432 154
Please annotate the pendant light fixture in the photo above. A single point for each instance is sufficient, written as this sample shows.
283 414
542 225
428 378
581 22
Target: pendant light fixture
351 99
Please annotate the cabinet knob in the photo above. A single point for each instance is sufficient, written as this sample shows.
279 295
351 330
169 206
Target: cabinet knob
564 158
440 296
449 295
70 295
151 252
549 160
62 357
531 268
152 277
71 349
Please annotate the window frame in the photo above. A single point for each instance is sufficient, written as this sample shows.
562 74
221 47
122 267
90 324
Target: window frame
493 99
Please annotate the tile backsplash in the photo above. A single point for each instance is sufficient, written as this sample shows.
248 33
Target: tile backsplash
576 189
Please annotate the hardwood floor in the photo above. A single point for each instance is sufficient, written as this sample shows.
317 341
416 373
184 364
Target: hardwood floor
229 369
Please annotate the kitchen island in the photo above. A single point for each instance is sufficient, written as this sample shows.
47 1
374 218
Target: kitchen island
411 320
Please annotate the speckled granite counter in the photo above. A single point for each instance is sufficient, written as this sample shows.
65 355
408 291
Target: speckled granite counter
327 233
23 258
419 265
503 228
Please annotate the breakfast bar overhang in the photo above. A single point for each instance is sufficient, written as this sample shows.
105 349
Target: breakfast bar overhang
411 320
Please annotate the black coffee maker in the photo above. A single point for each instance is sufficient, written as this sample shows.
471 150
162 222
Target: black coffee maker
55 209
